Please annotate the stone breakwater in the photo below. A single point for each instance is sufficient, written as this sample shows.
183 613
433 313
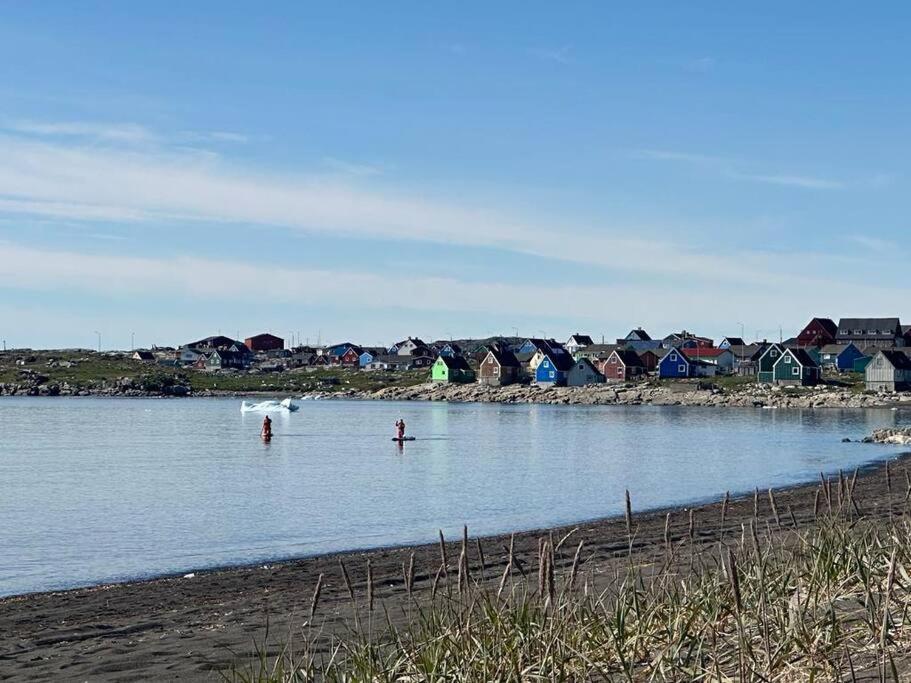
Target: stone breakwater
633 394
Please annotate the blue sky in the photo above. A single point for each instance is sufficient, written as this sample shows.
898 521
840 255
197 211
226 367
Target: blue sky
375 171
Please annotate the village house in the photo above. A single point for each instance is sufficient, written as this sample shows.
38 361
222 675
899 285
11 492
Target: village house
676 364
453 369
557 351
224 359
686 340
349 359
264 342
722 359
337 350
729 342
449 349
746 358
795 367
369 353
766 364
552 369
144 356
596 352
582 373
888 370
639 340
577 342
649 359
385 362
407 347
818 332
883 333
533 344
623 365
499 368
839 357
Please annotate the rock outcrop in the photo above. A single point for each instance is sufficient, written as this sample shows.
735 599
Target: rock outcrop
900 436
684 394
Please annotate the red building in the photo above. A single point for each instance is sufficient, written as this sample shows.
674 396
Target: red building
622 365
264 342
818 332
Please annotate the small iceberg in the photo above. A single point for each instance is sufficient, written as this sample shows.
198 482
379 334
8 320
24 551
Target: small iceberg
269 406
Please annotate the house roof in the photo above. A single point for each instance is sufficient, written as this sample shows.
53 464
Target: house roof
454 362
525 356
600 350
586 361
561 361
506 359
834 349
580 339
826 323
144 355
869 327
704 353
264 335
898 359
628 357
639 334
802 357
735 341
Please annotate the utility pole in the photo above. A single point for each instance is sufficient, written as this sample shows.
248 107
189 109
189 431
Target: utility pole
99 340
132 341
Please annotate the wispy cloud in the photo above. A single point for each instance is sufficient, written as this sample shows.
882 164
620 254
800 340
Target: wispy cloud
353 168
558 55
874 244
93 182
112 132
728 168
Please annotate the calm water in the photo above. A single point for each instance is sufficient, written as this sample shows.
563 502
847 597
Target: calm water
96 490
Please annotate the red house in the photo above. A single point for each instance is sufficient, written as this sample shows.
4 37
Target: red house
264 342
818 332
349 359
622 365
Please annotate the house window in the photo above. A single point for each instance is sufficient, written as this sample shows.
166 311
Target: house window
787 359
795 371
673 357
773 353
681 368
552 375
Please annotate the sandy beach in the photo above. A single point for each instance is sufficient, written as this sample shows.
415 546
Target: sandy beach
179 628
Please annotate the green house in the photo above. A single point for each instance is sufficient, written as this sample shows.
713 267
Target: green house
796 367
766 372
451 369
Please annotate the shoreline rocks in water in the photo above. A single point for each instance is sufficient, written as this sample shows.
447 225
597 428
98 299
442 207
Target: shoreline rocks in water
900 436
682 394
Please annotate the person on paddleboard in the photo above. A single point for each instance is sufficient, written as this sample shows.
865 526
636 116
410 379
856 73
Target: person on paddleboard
266 432
400 429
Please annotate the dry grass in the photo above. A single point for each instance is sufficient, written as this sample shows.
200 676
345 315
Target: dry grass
825 603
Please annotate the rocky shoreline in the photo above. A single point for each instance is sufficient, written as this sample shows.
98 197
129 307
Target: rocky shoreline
682 394
669 394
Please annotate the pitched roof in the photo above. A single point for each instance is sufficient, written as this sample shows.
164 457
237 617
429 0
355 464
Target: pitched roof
628 357
826 323
699 352
899 359
869 327
802 357
506 359
834 349
525 356
735 341
600 350
581 339
454 362
639 334
561 361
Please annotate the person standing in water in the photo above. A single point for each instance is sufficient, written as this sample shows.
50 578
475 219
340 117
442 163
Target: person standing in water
266 432
400 429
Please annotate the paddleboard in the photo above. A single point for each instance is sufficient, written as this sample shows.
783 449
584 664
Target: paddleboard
406 438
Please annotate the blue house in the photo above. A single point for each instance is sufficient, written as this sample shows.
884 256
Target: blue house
450 350
840 357
365 359
534 344
552 369
674 364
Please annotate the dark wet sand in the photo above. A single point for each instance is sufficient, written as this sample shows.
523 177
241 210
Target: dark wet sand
189 629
